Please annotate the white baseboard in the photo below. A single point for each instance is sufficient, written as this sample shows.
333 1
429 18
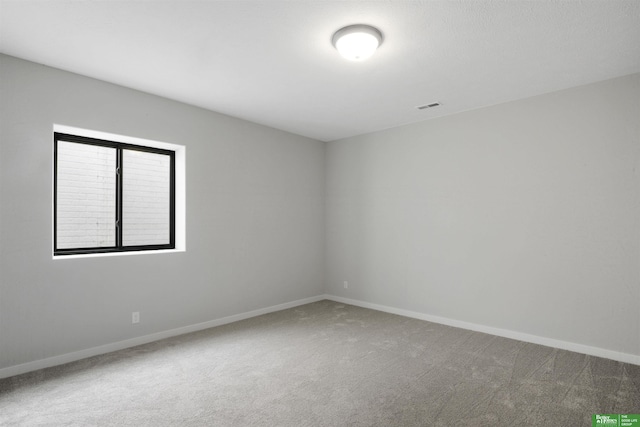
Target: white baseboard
120 345
549 342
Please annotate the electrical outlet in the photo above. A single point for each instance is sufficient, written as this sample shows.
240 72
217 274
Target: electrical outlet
135 317
346 284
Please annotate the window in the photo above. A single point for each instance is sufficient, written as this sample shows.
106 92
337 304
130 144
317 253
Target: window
111 196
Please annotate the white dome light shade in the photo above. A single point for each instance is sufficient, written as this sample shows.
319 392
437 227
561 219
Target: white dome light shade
357 42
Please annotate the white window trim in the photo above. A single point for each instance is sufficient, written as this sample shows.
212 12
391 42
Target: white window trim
180 188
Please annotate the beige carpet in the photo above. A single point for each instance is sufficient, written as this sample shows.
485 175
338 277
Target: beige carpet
325 364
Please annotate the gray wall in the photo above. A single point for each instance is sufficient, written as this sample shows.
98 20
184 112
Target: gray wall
255 227
523 216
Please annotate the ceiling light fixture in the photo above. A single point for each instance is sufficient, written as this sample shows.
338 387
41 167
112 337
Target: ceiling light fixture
357 42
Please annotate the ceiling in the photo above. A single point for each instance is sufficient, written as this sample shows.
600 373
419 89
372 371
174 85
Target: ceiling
272 62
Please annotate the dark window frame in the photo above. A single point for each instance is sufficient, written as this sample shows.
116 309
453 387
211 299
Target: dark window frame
120 173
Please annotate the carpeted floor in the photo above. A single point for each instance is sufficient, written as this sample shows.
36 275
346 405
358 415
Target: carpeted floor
325 364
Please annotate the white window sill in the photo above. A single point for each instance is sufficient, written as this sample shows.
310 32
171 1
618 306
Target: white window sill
125 253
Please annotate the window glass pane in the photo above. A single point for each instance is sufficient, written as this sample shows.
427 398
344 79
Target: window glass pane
146 198
86 183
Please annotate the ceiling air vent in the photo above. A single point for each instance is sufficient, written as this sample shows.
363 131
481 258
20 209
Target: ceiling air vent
423 107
